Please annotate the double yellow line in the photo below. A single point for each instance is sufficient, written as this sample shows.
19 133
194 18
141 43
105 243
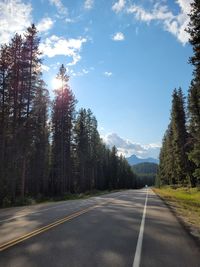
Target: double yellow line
44 228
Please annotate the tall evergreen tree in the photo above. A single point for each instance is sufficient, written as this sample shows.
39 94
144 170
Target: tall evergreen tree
167 174
4 117
20 76
179 139
194 91
174 164
32 77
62 122
39 164
82 149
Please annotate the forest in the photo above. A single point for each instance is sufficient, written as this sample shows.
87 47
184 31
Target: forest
145 173
180 152
47 147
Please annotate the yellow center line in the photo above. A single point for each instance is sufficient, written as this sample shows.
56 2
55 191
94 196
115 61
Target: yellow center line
44 228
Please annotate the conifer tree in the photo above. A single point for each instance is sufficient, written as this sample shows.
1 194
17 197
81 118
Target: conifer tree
20 75
194 91
31 75
174 164
82 146
179 139
62 122
4 117
39 164
167 174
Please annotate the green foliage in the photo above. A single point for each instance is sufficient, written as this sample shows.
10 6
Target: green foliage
174 164
145 167
63 113
194 91
180 152
39 158
146 173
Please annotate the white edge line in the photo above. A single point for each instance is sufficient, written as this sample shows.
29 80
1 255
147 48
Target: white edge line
136 262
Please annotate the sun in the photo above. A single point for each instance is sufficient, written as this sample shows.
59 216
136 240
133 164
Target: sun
56 83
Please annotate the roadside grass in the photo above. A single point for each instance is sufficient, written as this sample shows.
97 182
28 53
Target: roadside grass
186 202
27 200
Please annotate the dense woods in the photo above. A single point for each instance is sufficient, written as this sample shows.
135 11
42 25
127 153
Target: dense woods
48 148
180 153
145 173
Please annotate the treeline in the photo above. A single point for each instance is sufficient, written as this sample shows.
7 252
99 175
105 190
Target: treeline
145 173
48 148
180 153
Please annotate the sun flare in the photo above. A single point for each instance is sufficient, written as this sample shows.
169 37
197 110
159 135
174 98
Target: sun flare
56 83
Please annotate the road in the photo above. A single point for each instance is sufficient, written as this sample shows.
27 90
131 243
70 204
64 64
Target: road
130 228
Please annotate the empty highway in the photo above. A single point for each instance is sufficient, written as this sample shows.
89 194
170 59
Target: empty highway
130 228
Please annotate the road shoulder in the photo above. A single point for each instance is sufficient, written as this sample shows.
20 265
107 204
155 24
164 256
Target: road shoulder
192 230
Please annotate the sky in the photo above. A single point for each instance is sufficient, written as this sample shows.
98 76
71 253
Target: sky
124 58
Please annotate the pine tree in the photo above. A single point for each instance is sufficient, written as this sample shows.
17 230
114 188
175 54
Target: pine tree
82 146
39 164
166 167
174 164
179 140
20 67
194 91
114 168
4 117
31 76
62 123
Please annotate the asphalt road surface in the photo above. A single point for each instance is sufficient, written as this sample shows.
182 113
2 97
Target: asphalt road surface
130 228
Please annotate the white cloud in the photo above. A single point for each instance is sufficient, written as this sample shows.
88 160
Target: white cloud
15 16
62 10
79 73
68 20
45 68
107 73
119 36
89 4
45 24
118 6
175 24
128 148
55 45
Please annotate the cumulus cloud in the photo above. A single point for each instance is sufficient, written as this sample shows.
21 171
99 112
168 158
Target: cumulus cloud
118 6
55 45
128 148
108 73
173 23
88 4
45 24
119 36
62 10
15 17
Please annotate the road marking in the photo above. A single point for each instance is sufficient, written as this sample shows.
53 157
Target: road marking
44 228
33 212
54 207
136 262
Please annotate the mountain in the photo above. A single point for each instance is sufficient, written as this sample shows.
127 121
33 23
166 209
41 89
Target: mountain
132 160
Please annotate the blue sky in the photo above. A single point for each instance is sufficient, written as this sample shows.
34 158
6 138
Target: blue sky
124 58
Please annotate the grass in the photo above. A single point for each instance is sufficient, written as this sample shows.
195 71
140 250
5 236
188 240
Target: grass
186 202
32 201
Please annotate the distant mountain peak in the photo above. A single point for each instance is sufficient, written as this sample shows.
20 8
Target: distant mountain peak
133 159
